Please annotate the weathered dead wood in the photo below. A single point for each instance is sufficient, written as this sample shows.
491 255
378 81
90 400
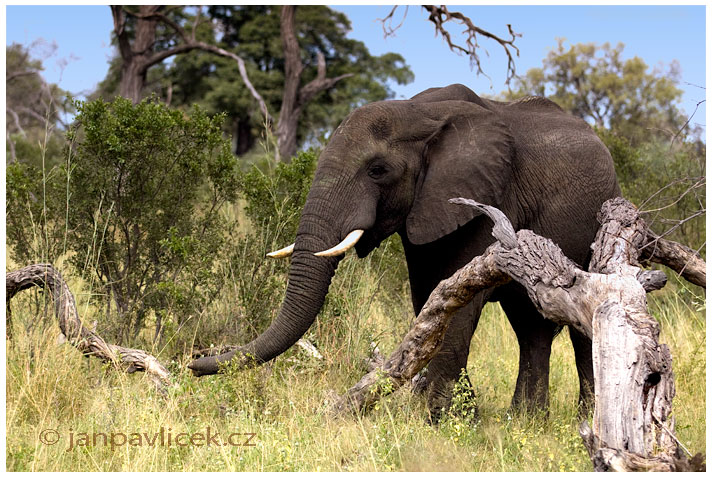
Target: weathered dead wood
683 260
632 371
86 341
425 336
632 427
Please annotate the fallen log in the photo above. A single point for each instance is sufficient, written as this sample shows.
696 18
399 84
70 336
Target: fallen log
86 341
632 425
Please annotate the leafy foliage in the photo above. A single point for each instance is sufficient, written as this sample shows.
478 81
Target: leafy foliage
140 199
596 83
275 199
253 32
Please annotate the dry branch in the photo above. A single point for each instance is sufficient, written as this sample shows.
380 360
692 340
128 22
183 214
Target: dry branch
86 341
425 336
440 15
683 260
632 427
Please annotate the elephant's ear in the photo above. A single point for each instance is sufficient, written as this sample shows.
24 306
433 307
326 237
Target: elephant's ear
469 156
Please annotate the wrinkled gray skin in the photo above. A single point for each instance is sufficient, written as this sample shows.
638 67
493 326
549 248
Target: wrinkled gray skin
391 167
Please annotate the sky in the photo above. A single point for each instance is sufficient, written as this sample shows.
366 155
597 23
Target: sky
657 34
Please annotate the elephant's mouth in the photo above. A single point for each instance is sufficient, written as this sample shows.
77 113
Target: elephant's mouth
366 244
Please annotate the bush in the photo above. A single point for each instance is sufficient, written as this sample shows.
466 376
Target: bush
666 182
138 203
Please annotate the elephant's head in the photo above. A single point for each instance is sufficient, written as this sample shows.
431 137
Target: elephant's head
389 167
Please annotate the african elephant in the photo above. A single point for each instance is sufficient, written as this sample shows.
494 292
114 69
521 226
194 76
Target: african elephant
391 166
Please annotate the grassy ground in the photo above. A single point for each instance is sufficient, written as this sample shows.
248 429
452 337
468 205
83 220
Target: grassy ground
54 394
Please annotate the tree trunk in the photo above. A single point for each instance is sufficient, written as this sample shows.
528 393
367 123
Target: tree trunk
290 111
133 79
633 429
243 139
137 57
295 97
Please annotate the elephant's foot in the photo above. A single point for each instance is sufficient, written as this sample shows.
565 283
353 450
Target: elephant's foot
586 401
530 397
451 397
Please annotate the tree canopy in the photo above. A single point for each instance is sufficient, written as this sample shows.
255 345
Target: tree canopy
333 73
596 83
33 107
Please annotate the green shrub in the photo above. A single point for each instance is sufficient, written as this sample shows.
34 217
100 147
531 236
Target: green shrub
137 203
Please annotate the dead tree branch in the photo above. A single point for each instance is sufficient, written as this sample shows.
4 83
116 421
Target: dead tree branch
681 259
440 16
632 426
387 22
86 341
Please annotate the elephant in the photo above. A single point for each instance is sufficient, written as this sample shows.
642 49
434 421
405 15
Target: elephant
391 167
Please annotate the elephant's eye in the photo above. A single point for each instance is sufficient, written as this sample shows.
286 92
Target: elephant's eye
377 171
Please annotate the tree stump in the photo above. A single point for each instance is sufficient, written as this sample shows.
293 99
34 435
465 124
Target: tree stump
632 426
86 341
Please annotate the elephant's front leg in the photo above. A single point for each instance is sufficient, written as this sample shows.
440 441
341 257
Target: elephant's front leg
445 369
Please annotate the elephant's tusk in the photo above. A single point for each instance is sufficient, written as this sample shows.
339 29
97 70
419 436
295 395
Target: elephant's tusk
284 252
349 242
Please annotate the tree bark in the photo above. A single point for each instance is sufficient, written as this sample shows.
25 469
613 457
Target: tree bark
633 429
137 57
86 341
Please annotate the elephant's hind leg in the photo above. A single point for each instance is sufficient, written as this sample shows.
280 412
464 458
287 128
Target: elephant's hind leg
534 335
584 366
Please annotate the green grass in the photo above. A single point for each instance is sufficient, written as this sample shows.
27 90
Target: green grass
52 387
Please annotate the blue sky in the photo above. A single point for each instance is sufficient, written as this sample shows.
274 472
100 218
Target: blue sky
657 34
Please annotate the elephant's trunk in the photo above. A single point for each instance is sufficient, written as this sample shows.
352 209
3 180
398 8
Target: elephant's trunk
309 280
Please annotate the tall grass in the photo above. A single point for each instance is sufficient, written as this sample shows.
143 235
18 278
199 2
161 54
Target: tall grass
52 392
52 387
